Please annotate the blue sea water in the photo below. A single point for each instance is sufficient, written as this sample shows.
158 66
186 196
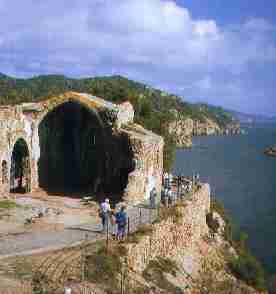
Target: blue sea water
244 179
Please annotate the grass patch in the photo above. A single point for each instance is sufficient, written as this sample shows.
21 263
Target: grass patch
104 267
155 272
8 204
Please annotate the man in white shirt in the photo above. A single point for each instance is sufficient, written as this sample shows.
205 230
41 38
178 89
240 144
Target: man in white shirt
105 211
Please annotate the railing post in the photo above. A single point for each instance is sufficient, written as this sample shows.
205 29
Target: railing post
128 227
107 234
83 258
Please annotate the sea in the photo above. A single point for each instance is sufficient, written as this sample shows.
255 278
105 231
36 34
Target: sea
243 178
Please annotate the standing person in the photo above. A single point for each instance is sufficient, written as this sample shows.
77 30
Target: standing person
166 180
153 195
105 214
197 179
166 198
170 180
170 197
121 220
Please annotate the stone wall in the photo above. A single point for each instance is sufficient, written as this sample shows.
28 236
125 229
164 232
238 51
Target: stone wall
23 121
147 148
177 241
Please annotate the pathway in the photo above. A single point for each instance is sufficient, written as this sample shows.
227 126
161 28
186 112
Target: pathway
35 242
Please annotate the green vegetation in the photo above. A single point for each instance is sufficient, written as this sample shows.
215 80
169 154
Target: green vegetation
154 109
103 268
7 204
245 267
217 114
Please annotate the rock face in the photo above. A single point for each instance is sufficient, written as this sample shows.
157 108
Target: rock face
183 131
187 242
77 141
185 128
176 241
270 151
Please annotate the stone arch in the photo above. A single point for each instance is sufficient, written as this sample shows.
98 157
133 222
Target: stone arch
53 103
72 138
20 166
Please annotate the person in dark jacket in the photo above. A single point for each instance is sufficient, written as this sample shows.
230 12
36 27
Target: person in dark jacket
121 221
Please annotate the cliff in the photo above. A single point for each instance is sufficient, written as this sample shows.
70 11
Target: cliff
180 255
184 128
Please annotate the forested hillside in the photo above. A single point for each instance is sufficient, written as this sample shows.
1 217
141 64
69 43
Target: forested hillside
154 109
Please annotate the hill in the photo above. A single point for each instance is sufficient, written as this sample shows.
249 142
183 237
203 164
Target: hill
154 109
252 118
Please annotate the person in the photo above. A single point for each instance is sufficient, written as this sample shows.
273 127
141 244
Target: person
113 228
153 195
170 197
170 180
166 198
166 180
121 221
197 179
105 211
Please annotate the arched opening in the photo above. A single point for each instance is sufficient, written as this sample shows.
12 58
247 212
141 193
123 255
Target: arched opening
72 150
20 174
81 155
4 172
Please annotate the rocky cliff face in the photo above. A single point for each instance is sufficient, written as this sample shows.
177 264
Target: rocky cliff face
185 128
188 243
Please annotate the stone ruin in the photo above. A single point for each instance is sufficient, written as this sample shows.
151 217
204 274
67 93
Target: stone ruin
78 142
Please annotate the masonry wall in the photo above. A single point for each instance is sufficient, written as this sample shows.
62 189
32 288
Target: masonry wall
22 121
178 241
147 148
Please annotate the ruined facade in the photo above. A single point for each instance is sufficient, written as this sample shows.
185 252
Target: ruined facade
81 142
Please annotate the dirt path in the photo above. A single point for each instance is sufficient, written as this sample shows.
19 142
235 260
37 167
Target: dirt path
35 242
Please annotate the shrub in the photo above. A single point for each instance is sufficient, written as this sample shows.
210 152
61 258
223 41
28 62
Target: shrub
271 284
212 223
247 268
103 268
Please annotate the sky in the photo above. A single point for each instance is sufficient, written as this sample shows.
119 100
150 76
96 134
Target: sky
217 51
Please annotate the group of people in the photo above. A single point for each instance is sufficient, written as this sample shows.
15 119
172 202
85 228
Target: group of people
184 186
114 222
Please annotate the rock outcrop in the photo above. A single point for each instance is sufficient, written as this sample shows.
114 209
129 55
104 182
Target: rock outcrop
270 151
185 128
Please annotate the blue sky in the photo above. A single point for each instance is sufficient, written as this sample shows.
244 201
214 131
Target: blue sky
216 51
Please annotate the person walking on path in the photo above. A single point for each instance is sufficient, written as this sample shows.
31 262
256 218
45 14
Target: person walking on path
105 211
121 221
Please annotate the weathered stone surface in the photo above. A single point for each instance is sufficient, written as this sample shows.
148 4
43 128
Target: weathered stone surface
147 148
185 128
177 241
23 122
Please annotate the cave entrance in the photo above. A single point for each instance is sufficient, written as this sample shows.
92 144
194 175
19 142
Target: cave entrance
72 150
20 173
